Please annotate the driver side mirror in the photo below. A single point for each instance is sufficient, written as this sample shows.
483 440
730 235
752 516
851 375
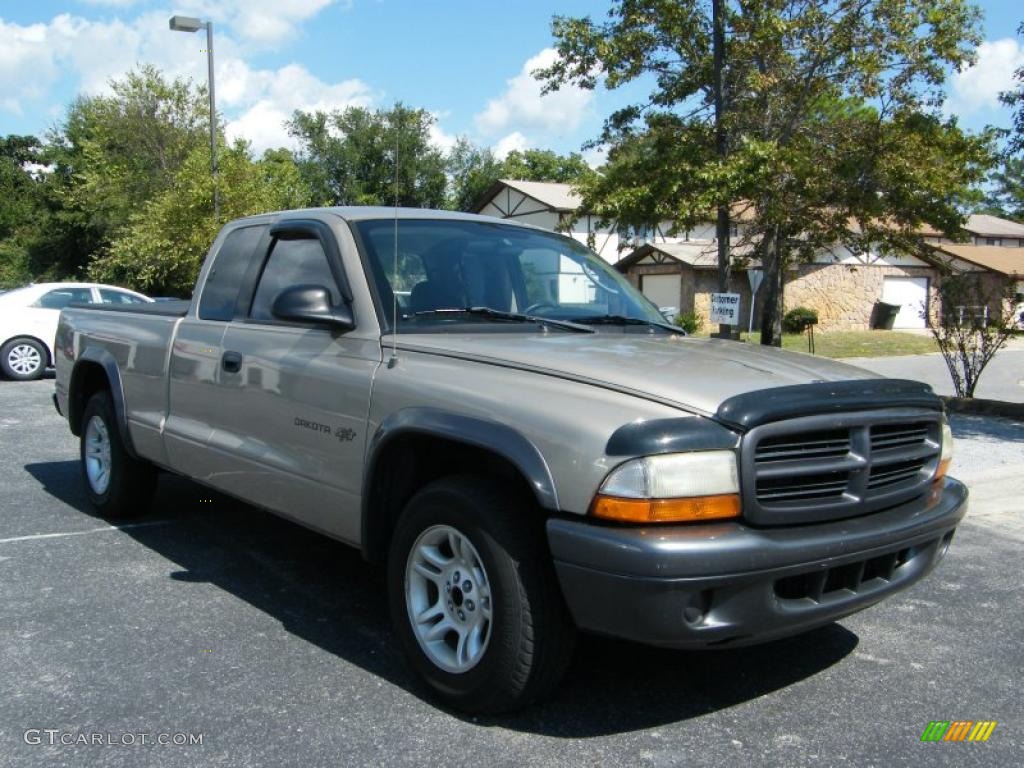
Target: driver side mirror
312 304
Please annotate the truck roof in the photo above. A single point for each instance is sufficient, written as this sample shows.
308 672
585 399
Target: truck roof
365 212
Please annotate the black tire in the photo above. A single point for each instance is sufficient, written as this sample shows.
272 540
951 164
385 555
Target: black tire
12 354
531 636
131 482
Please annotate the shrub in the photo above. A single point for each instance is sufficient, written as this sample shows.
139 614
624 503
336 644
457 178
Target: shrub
974 322
690 322
798 318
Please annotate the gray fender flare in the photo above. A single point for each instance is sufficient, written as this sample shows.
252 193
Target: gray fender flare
493 436
101 357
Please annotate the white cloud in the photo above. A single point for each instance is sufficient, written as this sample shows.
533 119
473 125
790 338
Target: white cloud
597 156
979 86
523 108
441 139
514 141
27 68
257 102
277 94
264 22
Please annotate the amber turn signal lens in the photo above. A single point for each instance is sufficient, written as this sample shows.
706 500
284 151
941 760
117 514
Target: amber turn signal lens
942 470
685 510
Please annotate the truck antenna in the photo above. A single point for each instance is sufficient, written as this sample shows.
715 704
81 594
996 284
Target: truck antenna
394 274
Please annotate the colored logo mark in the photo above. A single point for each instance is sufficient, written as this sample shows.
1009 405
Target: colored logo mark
958 730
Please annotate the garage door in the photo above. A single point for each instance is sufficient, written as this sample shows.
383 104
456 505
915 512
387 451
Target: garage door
911 295
663 290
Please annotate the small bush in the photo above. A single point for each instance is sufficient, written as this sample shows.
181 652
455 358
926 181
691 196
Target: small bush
690 322
798 318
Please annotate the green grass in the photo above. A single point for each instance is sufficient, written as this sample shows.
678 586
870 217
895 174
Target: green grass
855 343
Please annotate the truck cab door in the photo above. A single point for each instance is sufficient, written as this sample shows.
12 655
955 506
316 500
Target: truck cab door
298 392
196 404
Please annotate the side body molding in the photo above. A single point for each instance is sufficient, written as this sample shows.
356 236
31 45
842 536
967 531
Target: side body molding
93 356
481 433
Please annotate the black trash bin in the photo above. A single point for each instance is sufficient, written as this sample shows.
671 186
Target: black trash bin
884 315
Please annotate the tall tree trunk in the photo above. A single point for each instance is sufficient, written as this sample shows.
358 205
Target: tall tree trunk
774 275
721 149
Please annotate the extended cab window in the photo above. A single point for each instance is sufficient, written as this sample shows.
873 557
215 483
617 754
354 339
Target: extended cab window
61 297
226 276
292 262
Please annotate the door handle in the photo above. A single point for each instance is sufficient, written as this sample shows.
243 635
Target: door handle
231 362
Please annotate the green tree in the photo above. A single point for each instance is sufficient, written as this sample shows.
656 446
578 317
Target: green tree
111 154
348 157
1015 100
20 206
830 110
471 172
1005 196
162 248
545 165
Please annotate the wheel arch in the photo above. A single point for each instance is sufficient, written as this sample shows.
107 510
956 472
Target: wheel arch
96 370
416 445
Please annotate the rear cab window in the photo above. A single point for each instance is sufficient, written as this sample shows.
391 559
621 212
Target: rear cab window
226 277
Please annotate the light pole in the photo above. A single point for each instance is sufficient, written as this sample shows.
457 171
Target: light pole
189 24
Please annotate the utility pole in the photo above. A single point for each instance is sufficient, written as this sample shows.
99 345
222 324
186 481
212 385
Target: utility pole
721 149
190 24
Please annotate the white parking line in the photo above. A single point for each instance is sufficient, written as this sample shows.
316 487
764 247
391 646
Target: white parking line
83 533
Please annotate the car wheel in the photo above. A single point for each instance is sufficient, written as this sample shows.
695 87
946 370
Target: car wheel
23 359
474 597
118 485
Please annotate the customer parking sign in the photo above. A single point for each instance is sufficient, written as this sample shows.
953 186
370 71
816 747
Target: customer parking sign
725 308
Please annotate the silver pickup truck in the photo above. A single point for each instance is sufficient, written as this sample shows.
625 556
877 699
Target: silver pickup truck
499 417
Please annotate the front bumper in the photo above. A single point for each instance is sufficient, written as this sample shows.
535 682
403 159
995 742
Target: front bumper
717 584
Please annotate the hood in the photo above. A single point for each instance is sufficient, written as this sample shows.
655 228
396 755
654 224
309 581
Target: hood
695 374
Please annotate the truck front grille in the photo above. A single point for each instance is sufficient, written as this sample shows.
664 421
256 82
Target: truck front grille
828 467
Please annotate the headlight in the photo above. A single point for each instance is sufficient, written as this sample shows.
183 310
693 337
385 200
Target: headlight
946 456
675 487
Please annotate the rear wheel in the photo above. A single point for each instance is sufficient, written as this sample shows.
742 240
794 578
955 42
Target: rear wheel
118 485
474 598
23 359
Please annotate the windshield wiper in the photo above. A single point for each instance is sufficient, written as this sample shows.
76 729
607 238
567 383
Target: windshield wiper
623 320
515 317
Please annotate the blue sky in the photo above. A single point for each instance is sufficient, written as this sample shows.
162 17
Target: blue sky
467 62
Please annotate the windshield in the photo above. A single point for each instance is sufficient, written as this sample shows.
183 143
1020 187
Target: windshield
458 265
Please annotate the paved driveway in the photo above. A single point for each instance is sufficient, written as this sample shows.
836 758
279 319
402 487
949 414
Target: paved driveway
1002 379
211 618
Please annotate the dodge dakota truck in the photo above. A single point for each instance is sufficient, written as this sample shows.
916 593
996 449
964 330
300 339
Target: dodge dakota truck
514 432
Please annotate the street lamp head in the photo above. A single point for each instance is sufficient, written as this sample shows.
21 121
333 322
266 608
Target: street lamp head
186 24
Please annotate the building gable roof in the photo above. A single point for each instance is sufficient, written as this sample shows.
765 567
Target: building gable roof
984 225
699 254
994 258
557 197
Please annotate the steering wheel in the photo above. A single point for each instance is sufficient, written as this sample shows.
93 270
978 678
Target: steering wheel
532 309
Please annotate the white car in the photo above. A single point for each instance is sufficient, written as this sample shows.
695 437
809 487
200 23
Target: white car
28 321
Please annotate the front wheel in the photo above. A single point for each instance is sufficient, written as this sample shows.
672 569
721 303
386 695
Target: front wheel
118 485
23 359
474 598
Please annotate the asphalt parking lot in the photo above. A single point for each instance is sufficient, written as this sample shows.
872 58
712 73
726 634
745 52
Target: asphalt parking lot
209 617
